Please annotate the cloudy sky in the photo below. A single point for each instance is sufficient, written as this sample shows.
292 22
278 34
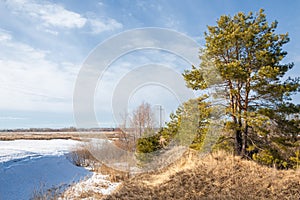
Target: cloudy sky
44 44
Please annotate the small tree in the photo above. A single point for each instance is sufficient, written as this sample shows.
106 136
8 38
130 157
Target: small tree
188 127
139 123
246 53
142 120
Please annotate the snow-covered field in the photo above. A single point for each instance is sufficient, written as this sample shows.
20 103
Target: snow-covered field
25 165
21 149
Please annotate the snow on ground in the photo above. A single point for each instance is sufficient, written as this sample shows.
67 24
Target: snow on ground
19 181
97 184
32 165
20 149
25 165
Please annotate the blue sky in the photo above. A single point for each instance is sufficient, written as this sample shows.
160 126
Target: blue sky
44 43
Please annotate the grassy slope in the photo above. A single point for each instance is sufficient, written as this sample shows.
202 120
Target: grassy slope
217 176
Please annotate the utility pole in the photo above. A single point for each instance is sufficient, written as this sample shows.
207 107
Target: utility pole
160 108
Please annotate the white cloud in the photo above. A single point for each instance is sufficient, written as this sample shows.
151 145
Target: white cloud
50 14
4 35
29 81
172 22
100 3
12 118
101 25
55 15
51 31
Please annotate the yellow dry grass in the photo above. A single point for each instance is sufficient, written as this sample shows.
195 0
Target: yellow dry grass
188 161
57 135
214 176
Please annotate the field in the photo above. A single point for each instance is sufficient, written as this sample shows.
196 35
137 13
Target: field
41 164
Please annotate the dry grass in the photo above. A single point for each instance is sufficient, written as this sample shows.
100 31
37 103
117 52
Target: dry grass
38 136
113 135
187 161
215 176
84 155
87 155
114 174
88 195
41 193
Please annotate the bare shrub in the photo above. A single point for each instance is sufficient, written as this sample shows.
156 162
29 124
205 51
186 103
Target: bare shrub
104 157
109 154
81 156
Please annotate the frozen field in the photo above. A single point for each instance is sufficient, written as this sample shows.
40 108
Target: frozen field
25 165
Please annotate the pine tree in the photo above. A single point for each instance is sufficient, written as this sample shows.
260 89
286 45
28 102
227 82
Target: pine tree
247 55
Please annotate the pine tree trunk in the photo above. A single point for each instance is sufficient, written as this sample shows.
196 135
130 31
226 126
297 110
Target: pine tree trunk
244 145
238 142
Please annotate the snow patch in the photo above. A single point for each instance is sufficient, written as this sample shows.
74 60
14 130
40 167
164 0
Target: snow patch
97 184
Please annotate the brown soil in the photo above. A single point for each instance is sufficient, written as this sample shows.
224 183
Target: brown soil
216 176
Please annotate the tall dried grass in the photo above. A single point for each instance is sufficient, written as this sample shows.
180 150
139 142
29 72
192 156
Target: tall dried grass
214 176
95 156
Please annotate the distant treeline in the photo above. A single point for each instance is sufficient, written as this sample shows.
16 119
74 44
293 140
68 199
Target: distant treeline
69 129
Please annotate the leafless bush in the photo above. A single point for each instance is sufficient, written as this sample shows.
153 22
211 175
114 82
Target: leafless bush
108 153
81 156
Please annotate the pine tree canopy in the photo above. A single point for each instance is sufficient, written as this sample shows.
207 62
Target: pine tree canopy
243 56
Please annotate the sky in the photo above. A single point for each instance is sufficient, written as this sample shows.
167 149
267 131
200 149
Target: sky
45 43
